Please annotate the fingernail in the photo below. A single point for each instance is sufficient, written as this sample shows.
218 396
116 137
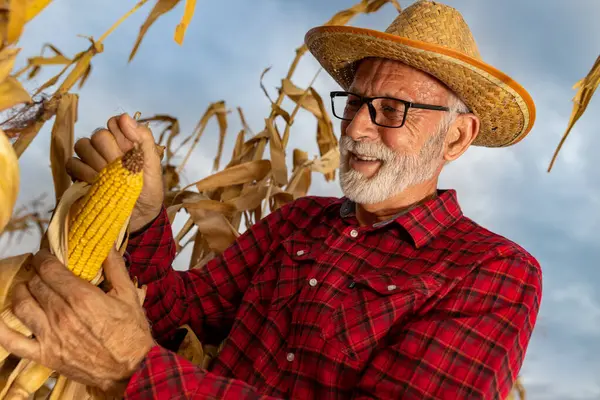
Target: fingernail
131 123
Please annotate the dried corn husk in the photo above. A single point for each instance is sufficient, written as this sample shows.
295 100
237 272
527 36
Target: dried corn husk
9 180
586 88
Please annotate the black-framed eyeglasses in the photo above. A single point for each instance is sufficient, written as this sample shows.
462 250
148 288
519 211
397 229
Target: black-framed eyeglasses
387 112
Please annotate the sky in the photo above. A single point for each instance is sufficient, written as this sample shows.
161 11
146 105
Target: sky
547 46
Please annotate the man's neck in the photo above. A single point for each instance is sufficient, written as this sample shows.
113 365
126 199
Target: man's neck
368 214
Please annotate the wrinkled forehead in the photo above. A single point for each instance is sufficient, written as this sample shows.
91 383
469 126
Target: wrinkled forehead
382 77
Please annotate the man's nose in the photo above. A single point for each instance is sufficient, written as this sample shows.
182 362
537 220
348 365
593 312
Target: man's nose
361 127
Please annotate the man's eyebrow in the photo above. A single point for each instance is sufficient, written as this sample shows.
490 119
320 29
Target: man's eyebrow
403 96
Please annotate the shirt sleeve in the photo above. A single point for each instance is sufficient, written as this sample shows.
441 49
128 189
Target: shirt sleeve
164 373
470 347
207 298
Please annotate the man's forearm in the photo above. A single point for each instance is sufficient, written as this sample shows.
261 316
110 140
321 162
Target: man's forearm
164 374
151 251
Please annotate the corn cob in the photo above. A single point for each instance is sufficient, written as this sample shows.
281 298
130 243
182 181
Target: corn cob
95 225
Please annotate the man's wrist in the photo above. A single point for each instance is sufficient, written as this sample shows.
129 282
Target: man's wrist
140 224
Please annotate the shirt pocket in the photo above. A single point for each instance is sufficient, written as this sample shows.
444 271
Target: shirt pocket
374 305
299 257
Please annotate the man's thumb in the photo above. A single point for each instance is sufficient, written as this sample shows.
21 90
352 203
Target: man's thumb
117 276
140 134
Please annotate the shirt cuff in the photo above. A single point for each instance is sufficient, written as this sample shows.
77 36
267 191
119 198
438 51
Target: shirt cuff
160 376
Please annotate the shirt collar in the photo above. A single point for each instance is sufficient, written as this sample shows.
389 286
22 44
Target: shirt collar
423 222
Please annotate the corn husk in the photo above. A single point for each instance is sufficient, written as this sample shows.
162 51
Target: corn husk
9 180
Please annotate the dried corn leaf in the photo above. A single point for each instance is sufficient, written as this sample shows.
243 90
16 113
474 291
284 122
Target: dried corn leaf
238 149
170 177
172 129
250 198
199 250
222 120
8 55
326 139
28 381
81 69
45 391
298 95
328 163
161 7
213 109
215 228
57 229
62 141
375 5
52 81
587 86
191 348
259 150
226 209
57 59
279 168
15 373
312 102
17 17
26 136
365 6
66 389
188 13
239 174
9 180
13 270
278 111
12 93
187 227
301 176
244 123
280 199
34 7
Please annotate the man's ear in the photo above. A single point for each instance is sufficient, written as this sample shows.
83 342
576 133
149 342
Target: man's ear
461 134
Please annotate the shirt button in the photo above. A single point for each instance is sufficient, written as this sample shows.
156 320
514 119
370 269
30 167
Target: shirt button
290 357
354 233
391 287
312 282
300 253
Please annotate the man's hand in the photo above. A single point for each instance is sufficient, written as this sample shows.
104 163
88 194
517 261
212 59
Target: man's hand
105 145
95 338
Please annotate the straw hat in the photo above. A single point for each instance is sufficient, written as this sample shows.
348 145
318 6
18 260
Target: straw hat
434 38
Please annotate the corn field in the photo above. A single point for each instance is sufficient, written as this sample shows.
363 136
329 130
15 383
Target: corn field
215 209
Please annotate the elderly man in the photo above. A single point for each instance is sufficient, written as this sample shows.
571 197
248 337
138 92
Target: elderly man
389 292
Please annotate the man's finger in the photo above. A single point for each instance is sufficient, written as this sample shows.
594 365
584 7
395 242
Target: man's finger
89 155
118 277
28 310
106 145
19 345
113 126
47 298
60 279
79 170
140 134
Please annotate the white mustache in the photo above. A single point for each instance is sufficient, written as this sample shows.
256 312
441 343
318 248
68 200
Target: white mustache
376 150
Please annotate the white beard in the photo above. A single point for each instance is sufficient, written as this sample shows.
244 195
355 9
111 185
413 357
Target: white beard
396 173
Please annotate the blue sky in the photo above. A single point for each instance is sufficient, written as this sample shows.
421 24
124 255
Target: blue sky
547 46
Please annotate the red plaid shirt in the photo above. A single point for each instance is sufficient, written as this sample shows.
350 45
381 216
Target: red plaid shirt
314 306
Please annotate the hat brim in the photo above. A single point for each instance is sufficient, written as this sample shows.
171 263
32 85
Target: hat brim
505 109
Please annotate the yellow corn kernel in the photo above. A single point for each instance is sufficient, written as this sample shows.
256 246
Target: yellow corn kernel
95 226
